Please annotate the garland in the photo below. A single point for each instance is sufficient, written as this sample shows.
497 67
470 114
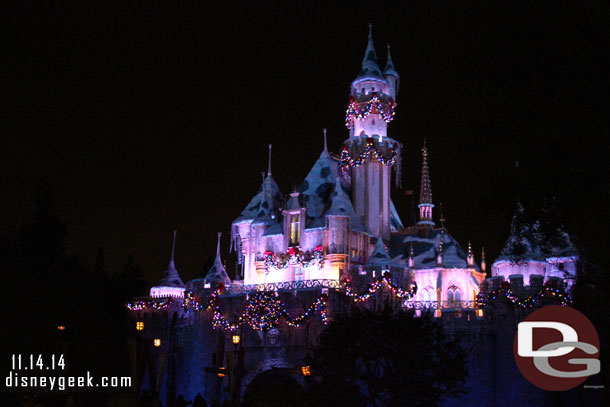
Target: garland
263 312
484 300
374 105
387 279
347 160
295 258
152 303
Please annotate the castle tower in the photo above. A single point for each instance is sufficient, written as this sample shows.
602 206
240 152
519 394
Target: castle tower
368 152
425 224
171 284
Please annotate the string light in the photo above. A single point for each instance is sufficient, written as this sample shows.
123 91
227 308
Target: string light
156 304
371 150
374 105
505 291
387 279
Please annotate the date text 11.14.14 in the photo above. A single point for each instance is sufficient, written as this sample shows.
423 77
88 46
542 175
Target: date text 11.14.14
38 362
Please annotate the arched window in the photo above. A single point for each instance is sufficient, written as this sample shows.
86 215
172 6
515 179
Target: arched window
425 295
453 294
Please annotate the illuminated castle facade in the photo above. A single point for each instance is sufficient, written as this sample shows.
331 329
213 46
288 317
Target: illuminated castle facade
341 224
338 235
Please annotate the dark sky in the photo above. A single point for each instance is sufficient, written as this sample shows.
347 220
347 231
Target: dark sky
147 119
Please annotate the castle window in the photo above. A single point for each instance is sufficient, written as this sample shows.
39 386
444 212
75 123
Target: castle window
298 274
295 230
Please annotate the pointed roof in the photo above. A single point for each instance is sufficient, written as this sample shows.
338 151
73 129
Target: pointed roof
217 273
370 66
425 193
293 202
265 202
389 66
318 186
171 278
342 206
380 256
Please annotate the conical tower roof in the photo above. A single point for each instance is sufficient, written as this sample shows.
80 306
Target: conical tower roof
380 256
342 206
171 278
425 193
267 200
389 66
370 65
318 186
217 273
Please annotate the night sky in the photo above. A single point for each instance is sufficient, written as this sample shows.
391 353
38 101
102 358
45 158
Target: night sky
147 120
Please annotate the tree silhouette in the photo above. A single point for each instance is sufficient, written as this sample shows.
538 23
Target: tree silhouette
388 359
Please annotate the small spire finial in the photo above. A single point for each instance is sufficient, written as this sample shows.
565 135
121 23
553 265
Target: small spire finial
171 259
370 29
325 145
218 245
269 167
442 219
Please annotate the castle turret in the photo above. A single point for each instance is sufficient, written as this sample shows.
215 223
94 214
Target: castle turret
171 284
368 152
425 224
391 76
217 273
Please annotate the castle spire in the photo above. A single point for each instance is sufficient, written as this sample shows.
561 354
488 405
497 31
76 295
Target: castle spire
171 258
325 145
470 257
370 65
425 195
483 263
389 66
218 245
269 167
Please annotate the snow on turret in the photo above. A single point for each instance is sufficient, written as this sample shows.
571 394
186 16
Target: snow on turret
171 284
217 273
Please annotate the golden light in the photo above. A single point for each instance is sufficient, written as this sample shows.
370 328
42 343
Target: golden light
157 342
306 370
61 328
221 372
480 313
235 339
140 326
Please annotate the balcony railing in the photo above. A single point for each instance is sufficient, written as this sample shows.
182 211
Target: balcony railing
286 286
443 305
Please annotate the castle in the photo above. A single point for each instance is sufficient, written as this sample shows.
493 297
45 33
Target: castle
338 235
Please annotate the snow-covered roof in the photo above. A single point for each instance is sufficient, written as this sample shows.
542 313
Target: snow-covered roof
389 66
425 249
318 186
171 278
217 273
267 200
370 67
380 256
341 205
